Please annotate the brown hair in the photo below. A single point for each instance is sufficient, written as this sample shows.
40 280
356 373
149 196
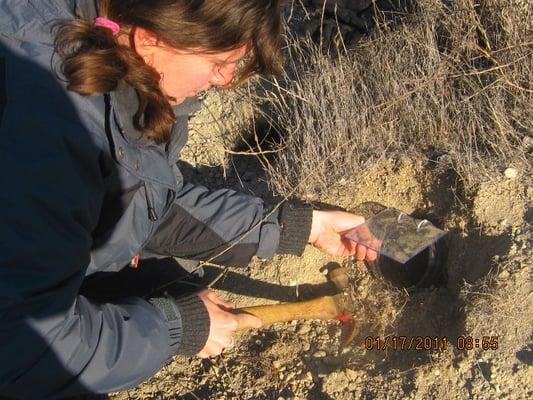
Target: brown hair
94 63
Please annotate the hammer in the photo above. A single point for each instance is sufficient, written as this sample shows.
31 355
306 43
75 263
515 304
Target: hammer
340 307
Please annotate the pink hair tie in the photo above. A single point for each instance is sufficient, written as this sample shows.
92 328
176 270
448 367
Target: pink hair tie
107 23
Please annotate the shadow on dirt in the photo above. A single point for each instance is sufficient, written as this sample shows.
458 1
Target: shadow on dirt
237 283
244 174
156 275
525 355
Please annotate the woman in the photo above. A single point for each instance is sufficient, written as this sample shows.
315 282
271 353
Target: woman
93 115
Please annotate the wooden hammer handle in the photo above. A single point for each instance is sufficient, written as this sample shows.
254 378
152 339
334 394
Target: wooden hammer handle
325 308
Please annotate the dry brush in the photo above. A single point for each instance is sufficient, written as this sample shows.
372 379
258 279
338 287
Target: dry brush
450 82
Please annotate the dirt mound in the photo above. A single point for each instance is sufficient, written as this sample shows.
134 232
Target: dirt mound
502 204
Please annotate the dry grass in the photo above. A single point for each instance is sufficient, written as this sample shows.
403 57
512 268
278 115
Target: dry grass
451 83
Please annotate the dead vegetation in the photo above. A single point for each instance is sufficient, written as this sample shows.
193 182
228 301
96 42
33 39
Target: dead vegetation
449 82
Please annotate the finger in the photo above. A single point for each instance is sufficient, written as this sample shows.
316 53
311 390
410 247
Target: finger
371 255
376 244
245 321
349 245
219 302
339 250
360 252
346 221
224 304
357 220
342 249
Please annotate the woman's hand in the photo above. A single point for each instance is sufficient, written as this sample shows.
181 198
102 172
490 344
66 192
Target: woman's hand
223 323
326 234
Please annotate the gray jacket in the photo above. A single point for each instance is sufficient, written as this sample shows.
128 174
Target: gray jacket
81 195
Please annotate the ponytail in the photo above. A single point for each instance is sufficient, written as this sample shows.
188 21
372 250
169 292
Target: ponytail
93 63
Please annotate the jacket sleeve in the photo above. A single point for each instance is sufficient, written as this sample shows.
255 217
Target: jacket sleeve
228 227
55 343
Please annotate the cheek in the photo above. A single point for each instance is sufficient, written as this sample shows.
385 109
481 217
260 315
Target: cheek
185 79
199 78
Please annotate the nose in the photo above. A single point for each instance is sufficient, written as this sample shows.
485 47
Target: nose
223 75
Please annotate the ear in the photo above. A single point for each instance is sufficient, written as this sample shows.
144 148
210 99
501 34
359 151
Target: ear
145 43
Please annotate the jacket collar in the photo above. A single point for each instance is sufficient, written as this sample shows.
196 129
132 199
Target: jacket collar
126 102
149 162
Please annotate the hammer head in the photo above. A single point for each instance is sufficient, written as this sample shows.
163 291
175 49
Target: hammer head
339 276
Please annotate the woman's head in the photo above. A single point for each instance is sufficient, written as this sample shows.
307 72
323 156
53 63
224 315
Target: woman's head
184 73
170 49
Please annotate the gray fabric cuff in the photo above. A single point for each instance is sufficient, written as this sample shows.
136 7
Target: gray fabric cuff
188 323
295 221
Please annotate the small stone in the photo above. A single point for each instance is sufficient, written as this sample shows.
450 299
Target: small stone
304 329
276 364
352 374
511 173
436 372
504 275
319 354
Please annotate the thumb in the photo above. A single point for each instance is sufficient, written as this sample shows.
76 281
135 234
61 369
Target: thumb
248 321
347 221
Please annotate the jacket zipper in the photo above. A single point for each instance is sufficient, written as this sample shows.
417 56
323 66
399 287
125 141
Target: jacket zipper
152 215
